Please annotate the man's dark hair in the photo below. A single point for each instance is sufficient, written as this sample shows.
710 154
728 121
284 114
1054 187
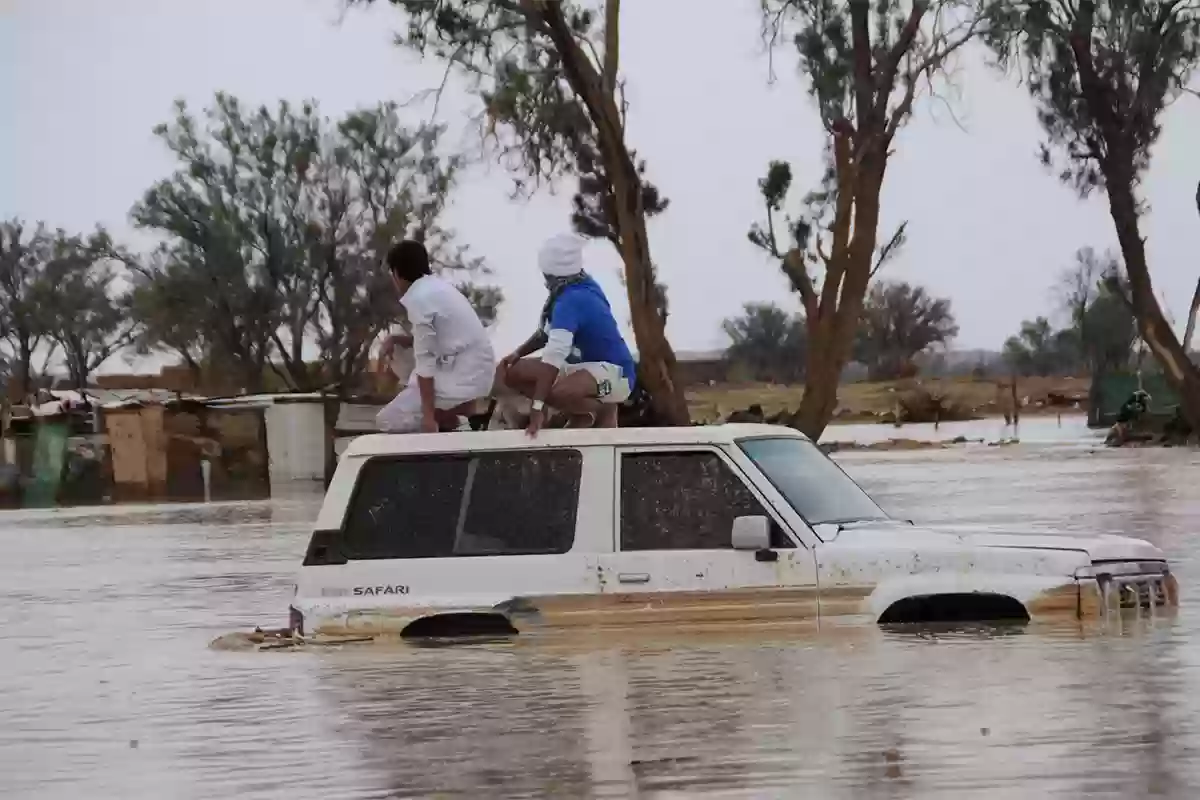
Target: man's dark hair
409 261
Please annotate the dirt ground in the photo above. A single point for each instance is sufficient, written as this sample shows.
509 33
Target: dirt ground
866 401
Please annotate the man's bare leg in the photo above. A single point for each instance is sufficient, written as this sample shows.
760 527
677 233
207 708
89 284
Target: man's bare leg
521 377
574 394
607 417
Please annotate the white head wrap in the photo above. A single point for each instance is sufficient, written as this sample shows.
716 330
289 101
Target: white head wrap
561 256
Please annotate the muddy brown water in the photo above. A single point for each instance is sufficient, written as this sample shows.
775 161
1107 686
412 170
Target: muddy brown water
108 688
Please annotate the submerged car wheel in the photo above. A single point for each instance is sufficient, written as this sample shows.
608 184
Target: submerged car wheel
458 625
967 607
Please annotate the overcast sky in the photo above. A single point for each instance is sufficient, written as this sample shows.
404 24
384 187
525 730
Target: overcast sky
82 82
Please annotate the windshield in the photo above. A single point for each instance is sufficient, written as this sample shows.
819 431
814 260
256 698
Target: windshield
814 485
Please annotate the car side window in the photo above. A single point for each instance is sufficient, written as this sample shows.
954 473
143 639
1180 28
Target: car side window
684 501
444 506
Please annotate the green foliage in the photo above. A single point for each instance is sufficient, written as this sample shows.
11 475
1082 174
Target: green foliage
895 43
803 232
24 321
281 218
900 321
1108 336
1039 349
504 48
866 63
1101 335
768 341
1101 72
164 301
1093 292
86 314
539 116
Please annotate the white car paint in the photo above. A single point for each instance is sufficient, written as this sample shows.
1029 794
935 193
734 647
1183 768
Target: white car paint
855 570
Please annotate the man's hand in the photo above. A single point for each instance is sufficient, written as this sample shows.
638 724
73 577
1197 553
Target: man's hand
536 419
510 359
387 348
429 424
390 343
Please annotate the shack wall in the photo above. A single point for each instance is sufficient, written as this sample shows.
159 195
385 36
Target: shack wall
137 449
232 440
296 441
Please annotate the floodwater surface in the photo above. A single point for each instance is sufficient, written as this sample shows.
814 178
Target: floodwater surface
109 690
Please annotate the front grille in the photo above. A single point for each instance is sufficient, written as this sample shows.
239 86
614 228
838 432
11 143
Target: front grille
1135 592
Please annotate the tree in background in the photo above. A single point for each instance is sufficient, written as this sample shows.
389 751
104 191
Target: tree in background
85 314
281 220
24 321
1194 309
163 301
227 215
548 72
375 183
865 62
1109 333
900 321
1101 73
1101 335
1092 292
1040 350
768 341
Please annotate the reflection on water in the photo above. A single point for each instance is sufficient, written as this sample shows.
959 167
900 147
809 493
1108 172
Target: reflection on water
107 688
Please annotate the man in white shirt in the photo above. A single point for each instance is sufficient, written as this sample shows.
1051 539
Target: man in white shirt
453 361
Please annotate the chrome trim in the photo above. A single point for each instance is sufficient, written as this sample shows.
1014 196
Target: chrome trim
1148 569
1133 592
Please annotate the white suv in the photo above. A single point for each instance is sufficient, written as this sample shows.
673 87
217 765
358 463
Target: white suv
494 532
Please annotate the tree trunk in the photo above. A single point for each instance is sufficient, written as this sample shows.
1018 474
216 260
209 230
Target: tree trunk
25 369
657 359
831 338
821 379
1191 321
78 377
1181 373
331 406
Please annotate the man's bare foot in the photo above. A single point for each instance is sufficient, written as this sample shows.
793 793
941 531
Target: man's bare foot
581 421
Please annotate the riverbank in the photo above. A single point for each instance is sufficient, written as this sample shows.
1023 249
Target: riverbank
868 401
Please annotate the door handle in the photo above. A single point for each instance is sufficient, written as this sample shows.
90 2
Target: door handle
633 577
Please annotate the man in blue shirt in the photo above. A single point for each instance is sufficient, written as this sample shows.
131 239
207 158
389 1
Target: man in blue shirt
585 368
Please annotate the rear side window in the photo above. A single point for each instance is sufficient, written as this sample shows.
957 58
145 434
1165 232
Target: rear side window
442 506
684 501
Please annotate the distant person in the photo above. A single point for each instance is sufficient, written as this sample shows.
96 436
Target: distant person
585 369
453 361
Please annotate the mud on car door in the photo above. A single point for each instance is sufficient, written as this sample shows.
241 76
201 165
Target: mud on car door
675 561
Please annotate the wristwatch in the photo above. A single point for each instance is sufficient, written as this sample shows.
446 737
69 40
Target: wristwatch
538 405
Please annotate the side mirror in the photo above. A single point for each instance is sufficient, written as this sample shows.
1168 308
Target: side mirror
751 533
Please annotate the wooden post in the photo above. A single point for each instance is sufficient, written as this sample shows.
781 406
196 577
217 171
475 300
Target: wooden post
1016 403
331 406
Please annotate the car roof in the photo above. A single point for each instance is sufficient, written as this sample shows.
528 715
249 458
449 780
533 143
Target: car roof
377 444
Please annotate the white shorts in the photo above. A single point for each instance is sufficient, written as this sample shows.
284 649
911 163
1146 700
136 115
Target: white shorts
611 383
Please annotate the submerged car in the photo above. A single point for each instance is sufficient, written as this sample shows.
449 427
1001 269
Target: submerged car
494 532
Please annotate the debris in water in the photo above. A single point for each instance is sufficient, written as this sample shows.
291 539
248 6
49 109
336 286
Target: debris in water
280 639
